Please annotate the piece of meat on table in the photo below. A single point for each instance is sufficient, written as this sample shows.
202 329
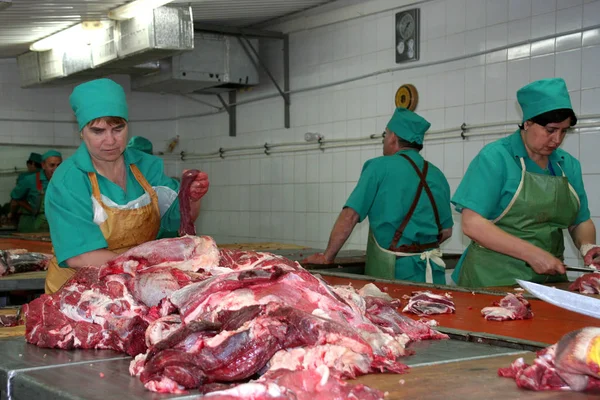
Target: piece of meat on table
427 303
570 364
187 226
587 284
510 307
316 384
16 261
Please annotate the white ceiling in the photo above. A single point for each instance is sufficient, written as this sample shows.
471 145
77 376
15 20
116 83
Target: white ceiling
26 21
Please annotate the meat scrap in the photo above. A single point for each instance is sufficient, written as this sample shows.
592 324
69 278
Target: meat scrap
15 261
570 364
427 303
511 307
587 284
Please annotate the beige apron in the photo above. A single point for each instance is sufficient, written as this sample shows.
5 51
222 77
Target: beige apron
123 229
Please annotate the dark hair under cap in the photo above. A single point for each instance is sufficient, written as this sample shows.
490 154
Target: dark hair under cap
553 117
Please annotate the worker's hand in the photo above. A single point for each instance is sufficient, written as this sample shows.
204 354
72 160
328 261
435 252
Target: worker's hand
199 187
317 258
592 256
543 262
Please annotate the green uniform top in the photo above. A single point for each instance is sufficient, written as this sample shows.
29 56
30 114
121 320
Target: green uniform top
27 190
69 207
493 177
385 192
22 175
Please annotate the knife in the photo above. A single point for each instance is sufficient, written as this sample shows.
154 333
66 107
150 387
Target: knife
580 269
561 298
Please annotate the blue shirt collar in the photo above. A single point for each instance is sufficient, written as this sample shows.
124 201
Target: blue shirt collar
83 160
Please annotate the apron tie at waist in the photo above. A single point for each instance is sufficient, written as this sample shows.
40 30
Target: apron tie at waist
434 255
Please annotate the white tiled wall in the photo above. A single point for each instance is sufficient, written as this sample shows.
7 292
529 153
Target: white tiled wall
42 119
296 197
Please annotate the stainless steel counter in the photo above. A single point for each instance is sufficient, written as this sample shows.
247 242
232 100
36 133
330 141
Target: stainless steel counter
28 372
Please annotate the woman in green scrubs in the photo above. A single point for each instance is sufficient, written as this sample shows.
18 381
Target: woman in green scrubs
518 195
107 198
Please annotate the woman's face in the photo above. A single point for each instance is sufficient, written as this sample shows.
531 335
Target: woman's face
543 140
105 142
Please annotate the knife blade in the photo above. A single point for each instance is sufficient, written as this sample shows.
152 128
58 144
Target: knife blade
580 269
561 298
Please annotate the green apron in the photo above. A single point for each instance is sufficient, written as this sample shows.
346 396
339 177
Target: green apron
539 211
37 222
383 263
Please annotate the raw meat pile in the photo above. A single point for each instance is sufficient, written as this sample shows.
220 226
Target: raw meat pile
510 307
427 303
20 260
587 284
570 364
196 317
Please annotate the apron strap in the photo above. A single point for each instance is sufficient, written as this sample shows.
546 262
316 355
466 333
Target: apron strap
38 183
422 185
142 181
139 177
95 186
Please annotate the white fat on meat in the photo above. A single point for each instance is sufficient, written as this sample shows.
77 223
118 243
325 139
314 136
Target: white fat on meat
136 366
165 385
250 390
162 328
101 304
373 291
352 297
337 357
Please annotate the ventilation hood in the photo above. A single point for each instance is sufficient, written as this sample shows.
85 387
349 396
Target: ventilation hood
217 64
126 47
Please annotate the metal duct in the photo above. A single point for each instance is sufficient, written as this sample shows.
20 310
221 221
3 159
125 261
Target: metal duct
217 64
126 47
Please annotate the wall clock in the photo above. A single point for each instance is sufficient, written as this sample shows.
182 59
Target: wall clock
407 97
407 35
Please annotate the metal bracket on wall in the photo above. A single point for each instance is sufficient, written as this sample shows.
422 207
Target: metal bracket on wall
243 34
258 63
231 110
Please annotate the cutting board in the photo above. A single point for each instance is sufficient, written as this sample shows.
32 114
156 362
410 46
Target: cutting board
462 380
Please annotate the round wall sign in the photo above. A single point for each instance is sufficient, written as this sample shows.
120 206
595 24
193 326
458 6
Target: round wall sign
407 97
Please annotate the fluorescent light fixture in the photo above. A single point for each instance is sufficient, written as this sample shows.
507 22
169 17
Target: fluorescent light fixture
134 8
80 34
5 4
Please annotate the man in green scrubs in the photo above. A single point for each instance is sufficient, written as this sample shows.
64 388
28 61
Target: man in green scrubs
29 194
34 164
140 143
518 195
407 201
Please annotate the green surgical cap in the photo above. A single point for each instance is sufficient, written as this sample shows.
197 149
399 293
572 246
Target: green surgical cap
96 99
141 144
542 96
51 153
35 157
408 125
